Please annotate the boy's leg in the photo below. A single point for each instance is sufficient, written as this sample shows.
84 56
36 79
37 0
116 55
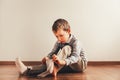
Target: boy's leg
62 54
29 70
80 66
50 66
35 70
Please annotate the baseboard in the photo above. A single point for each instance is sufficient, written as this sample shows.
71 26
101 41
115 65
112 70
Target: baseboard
25 62
103 62
39 62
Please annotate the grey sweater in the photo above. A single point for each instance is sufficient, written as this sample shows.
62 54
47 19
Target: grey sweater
76 52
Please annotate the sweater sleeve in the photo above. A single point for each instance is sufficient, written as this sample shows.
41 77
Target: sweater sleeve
53 50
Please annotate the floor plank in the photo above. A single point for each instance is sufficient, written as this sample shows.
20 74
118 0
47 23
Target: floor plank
99 72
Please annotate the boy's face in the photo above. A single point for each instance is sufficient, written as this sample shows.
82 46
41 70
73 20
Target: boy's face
62 35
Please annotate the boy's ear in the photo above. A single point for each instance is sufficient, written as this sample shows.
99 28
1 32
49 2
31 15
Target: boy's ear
69 31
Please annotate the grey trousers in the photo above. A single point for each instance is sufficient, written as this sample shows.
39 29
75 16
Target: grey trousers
62 54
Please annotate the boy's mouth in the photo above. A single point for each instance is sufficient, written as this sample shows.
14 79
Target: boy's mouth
62 41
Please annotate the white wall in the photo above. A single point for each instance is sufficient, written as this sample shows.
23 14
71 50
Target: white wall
25 27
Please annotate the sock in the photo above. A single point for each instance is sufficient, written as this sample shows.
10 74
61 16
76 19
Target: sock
20 66
50 65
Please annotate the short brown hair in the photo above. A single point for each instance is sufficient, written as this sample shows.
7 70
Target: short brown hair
60 24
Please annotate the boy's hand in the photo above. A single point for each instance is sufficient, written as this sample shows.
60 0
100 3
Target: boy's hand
57 60
44 60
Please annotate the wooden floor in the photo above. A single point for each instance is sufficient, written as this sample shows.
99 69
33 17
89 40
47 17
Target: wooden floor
99 72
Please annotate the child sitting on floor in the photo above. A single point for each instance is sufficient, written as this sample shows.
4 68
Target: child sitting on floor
67 51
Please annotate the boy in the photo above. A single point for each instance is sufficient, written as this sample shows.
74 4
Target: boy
67 53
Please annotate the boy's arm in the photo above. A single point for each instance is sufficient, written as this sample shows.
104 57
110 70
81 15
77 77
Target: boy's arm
44 60
53 50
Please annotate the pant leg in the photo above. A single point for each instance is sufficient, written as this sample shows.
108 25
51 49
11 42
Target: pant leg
35 70
80 66
50 66
64 53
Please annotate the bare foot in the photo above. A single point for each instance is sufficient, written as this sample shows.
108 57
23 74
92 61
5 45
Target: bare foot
55 70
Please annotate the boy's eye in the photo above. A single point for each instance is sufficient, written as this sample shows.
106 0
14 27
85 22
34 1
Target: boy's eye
59 36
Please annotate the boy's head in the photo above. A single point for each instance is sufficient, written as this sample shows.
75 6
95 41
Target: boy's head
61 29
